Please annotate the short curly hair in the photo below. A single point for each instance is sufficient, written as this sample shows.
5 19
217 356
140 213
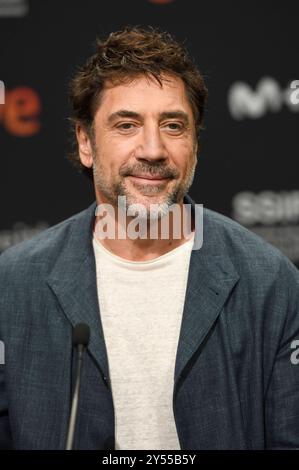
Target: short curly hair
121 57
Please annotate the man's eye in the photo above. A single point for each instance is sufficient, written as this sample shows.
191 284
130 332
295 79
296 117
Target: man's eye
125 126
174 126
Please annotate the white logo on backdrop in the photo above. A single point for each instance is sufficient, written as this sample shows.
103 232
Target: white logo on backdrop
295 94
19 232
268 96
13 8
266 208
272 215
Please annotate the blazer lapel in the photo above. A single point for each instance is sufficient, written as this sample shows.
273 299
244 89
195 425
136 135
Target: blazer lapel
73 281
211 278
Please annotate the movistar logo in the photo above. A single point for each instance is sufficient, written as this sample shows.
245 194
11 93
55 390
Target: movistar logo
244 102
13 8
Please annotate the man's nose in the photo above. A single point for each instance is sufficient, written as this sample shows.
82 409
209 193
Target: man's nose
151 145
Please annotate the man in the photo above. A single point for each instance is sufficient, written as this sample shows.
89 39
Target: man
190 348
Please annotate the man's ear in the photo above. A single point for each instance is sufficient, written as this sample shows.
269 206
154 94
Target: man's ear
84 146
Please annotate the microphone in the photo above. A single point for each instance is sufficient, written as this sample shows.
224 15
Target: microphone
81 334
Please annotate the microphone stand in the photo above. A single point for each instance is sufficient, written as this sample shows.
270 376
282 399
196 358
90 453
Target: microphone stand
81 334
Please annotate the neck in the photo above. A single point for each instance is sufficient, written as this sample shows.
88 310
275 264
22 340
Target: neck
141 239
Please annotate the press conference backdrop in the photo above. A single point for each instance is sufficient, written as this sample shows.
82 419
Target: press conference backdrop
248 52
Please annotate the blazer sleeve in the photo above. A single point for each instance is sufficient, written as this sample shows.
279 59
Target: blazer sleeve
282 395
5 432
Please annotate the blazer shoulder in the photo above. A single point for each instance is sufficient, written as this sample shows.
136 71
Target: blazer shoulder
247 250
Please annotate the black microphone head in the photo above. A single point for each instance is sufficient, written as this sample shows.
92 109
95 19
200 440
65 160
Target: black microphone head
81 335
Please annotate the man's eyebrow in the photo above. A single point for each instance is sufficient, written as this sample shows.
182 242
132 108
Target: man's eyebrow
175 115
125 113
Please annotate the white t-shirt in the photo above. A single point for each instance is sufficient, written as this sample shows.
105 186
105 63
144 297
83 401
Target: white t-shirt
141 305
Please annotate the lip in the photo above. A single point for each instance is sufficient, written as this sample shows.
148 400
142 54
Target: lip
149 179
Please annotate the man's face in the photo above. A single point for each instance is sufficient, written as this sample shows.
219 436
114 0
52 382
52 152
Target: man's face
144 144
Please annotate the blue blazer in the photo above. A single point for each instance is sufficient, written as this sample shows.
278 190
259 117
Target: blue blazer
236 385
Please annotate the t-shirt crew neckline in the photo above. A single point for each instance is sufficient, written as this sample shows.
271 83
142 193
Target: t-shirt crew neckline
185 246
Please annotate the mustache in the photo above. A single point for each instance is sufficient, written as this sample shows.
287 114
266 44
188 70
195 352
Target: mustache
153 170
